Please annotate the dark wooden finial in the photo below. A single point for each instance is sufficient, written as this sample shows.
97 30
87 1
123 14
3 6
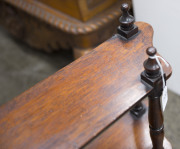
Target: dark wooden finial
152 69
127 28
126 20
151 51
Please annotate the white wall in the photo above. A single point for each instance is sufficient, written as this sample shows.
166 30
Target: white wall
164 16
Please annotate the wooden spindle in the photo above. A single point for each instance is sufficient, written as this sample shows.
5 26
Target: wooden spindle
138 110
126 30
152 76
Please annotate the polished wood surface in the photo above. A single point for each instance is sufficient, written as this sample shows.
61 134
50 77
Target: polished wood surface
126 133
74 105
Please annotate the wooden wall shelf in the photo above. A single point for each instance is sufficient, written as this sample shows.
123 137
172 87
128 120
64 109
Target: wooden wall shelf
84 103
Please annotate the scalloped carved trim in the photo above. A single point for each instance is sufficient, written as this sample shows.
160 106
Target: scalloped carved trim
65 22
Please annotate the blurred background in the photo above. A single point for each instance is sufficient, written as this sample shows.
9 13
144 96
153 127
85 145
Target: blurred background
39 37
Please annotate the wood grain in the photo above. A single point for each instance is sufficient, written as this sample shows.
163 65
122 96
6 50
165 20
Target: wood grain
81 100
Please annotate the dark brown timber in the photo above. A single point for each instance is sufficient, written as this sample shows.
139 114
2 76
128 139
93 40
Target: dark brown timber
80 101
127 27
152 76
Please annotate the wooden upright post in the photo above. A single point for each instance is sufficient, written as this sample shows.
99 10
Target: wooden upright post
152 76
128 29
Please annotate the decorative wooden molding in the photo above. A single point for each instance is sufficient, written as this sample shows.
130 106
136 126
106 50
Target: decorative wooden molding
30 20
65 22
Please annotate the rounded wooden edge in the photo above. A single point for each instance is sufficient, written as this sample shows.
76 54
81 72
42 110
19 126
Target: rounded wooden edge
77 52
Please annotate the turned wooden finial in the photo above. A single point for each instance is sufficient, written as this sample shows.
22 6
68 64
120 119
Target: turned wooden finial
126 20
127 28
152 69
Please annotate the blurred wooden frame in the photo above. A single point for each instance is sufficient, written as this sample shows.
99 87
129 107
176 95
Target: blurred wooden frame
50 29
80 9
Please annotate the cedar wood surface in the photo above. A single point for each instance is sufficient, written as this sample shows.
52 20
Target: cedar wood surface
72 106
